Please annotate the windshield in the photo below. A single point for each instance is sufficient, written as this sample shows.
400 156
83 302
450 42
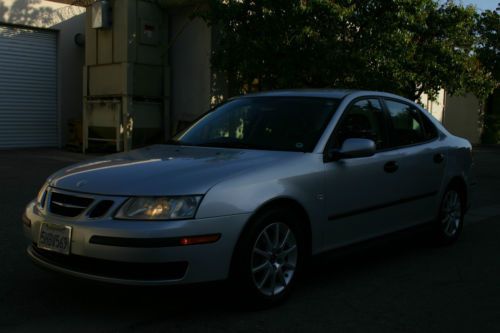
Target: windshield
271 123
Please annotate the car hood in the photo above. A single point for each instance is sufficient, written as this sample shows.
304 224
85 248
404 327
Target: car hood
162 170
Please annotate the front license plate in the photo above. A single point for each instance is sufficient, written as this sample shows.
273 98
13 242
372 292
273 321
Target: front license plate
55 238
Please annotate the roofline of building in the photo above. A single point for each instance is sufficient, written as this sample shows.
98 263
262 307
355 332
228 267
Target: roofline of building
163 3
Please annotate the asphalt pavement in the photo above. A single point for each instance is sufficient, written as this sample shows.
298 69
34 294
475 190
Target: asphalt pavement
403 285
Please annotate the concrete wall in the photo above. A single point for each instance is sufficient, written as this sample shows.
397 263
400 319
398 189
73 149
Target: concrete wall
68 21
462 117
190 50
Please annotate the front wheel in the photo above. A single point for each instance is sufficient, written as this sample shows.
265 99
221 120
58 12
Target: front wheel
274 259
268 258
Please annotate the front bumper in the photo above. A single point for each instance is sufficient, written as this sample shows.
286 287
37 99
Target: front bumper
141 263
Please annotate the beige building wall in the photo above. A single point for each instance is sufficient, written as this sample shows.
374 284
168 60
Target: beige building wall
462 117
459 114
68 21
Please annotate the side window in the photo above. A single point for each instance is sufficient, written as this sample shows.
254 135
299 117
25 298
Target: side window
365 120
407 124
429 128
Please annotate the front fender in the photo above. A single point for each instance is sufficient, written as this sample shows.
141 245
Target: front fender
302 181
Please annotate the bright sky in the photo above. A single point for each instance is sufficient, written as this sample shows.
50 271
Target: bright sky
483 4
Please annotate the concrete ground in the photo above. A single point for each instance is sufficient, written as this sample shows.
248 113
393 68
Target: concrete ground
399 286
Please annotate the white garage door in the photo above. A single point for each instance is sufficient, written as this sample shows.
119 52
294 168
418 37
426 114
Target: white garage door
28 88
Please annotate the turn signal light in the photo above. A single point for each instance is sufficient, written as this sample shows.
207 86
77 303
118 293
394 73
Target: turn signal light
199 239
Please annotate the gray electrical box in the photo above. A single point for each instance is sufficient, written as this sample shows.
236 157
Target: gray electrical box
126 75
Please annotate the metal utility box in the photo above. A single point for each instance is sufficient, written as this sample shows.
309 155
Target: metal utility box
126 75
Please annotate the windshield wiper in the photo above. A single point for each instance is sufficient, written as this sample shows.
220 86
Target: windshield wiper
230 144
177 143
236 144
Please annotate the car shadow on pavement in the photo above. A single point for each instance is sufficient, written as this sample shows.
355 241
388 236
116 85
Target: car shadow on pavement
401 284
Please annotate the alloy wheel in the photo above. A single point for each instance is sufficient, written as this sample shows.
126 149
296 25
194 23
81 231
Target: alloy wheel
274 259
451 213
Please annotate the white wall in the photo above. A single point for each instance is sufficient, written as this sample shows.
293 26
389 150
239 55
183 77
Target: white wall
68 21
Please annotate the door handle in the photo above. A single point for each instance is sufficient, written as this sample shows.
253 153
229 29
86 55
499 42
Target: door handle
438 158
391 167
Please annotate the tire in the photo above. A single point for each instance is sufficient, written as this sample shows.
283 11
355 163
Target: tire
268 258
450 221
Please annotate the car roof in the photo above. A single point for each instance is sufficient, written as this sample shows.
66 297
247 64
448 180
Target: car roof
322 93
325 93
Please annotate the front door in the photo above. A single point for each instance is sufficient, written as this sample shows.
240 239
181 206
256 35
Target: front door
361 193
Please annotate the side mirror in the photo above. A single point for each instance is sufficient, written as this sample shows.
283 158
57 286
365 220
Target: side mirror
352 148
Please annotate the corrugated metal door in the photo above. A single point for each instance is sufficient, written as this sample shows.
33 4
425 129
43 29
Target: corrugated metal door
28 88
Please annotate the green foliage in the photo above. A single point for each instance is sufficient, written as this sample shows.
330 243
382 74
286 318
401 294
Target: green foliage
491 130
408 47
488 52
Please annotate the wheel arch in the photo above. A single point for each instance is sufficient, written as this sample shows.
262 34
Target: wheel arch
459 183
281 202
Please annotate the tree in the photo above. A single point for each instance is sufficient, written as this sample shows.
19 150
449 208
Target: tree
408 47
488 52
488 48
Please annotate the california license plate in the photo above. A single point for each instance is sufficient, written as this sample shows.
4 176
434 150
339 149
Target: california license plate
56 238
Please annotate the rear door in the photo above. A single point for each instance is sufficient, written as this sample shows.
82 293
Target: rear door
420 158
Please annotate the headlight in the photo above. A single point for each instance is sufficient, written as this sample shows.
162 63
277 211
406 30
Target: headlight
167 208
42 195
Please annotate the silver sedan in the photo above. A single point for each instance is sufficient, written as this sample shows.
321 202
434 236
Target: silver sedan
251 190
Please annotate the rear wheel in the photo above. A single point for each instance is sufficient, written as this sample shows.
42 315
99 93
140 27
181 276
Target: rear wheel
268 258
451 216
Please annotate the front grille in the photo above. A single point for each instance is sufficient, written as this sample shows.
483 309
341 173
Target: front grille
100 209
68 205
114 269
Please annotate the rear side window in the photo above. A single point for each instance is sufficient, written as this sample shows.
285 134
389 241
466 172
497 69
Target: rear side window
429 128
408 125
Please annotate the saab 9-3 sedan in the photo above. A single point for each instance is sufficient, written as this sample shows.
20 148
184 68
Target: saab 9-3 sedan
251 190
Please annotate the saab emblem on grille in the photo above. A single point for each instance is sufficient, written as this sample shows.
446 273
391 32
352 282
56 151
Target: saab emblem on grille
81 183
